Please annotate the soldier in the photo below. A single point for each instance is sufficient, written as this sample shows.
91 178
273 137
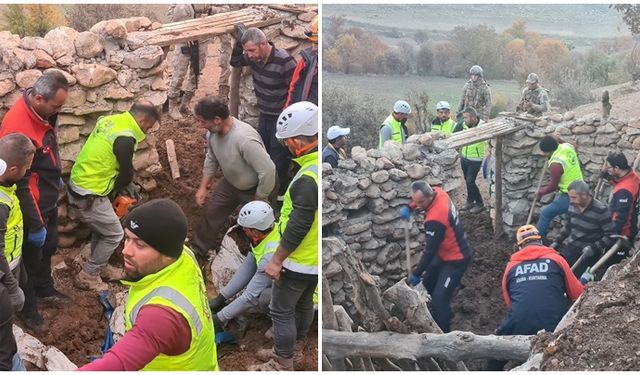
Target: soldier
476 94
535 98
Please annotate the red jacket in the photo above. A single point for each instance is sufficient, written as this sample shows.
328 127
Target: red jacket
38 190
624 205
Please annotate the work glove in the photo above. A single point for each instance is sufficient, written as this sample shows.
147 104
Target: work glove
131 190
586 277
413 280
606 176
37 238
17 300
238 31
405 212
217 303
588 251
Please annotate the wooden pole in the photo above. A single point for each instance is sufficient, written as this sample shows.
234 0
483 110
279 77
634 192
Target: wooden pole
173 159
234 91
453 346
535 198
497 223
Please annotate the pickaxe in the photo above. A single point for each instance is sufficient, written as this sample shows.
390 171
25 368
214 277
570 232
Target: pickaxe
590 272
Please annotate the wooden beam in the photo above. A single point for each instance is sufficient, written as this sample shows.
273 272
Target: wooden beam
173 159
453 346
497 222
290 9
492 129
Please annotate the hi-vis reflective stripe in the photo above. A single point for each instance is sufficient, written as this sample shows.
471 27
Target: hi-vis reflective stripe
297 267
15 262
176 298
311 168
5 197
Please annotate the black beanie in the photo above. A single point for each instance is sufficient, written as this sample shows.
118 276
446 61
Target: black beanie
161 223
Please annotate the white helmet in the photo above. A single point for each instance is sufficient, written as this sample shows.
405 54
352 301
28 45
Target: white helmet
300 118
442 105
256 215
402 107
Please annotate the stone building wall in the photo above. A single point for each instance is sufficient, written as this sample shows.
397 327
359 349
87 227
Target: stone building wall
593 138
362 199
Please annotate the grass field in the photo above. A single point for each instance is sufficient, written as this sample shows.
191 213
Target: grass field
388 89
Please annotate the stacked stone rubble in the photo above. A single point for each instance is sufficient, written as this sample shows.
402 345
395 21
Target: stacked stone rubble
593 138
362 199
106 76
288 35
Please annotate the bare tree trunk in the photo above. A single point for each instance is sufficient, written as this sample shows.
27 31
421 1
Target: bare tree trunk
454 346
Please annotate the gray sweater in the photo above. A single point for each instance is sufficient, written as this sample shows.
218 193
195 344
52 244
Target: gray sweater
243 159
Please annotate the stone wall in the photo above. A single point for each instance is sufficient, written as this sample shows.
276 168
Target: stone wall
105 75
362 199
593 138
288 35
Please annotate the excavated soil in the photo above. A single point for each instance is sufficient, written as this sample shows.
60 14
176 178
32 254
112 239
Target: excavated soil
604 334
78 329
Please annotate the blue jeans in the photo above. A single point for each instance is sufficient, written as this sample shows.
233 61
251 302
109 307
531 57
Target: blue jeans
559 206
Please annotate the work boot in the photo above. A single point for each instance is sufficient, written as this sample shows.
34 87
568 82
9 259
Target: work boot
33 321
56 298
111 273
185 108
476 209
174 110
467 206
298 351
276 363
87 281
223 92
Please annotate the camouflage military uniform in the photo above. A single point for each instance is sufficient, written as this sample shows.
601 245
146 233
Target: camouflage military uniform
478 96
539 99
180 63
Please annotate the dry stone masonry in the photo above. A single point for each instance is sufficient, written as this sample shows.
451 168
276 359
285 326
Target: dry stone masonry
362 199
105 76
593 138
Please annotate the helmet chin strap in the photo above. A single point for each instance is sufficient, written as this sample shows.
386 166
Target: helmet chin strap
298 151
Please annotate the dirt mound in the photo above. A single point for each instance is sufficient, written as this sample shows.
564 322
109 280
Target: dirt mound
604 334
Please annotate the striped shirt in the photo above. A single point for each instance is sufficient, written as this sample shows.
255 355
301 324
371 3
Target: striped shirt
591 227
271 80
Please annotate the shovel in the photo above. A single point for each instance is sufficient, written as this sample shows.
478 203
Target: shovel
535 197
589 274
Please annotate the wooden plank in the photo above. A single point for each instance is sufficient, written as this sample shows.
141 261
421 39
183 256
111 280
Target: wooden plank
285 8
486 132
173 159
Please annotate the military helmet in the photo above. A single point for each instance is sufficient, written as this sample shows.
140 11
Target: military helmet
532 78
476 70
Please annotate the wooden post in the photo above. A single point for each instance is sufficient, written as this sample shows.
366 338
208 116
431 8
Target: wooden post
173 159
234 91
497 223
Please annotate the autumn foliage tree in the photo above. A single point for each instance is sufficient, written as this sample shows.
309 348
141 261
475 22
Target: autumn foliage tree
32 19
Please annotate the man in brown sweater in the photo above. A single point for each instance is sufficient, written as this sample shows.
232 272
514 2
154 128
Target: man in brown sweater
248 172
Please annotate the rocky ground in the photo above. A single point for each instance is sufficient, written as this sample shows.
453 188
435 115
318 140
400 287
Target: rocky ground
78 329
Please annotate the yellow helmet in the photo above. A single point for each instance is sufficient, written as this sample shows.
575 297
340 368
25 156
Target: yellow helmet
312 30
527 233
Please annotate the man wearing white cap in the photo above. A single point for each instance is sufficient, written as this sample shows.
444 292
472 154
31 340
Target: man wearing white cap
335 151
393 128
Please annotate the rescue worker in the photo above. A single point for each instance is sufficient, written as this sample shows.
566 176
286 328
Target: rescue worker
535 98
257 221
34 115
248 172
167 319
393 128
294 265
443 122
476 93
471 157
338 138
564 168
625 201
447 253
587 230
538 288
16 155
103 167
304 83
181 61
272 69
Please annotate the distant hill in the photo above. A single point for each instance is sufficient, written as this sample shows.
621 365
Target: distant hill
570 21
